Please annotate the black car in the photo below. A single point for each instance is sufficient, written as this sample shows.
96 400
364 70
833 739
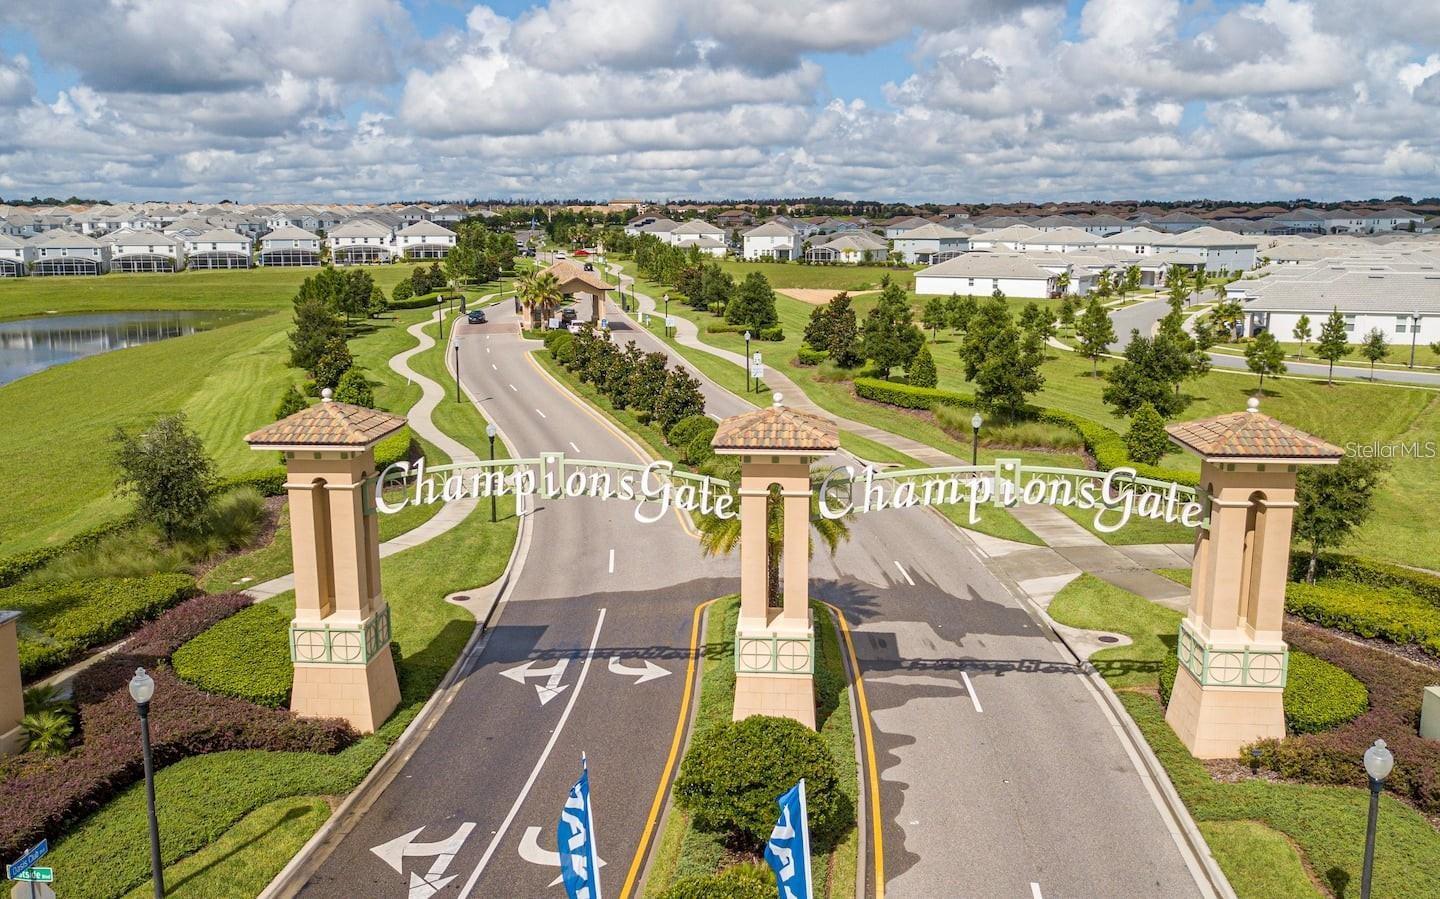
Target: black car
567 315
476 316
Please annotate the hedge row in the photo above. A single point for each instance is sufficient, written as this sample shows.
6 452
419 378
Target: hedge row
1396 689
771 333
1106 446
246 656
1318 695
271 481
46 794
1393 614
419 302
73 616
13 568
806 356
1371 573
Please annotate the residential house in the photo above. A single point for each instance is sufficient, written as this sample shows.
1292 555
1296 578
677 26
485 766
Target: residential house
852 247
217 249
15 256
60 252
691 233
771 240
896 227
1219 251
981 274
425 240
1404 306
360 241
144 250
1135 241
1068 239
930 243
290 246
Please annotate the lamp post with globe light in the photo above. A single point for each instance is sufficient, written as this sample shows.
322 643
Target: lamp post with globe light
142 688
667 315
748 388
975 422
490 433
1378 762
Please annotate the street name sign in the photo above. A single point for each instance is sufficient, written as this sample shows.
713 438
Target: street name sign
36 875
24 862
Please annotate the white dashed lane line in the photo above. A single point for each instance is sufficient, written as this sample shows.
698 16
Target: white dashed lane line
612 561
1035 891
512 387
539 413
903 573
974 700
577 449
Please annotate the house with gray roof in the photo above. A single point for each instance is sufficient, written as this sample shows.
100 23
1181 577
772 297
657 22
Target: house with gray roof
981 274
771 240
15 256
289 246
61 252
360 241
930 243
425 240
217 248
144 250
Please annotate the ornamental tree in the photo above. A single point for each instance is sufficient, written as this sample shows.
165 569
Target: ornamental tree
890 339
165 468
333 363
1265 356
1374 348
354 388
1146 440
1302 333
753 304
1095 332
961 311
921 371
935 314
1332 345
1146 374
1333 501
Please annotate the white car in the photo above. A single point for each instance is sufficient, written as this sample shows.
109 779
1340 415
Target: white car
559 254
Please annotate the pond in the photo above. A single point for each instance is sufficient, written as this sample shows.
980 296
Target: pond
30 345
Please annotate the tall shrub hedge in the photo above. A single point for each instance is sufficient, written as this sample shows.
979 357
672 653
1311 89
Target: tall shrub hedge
1318 695
246 656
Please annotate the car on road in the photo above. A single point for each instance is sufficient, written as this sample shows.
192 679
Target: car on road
559 254
567 314
476 316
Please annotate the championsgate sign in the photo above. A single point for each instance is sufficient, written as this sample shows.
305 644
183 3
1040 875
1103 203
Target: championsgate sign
1116 496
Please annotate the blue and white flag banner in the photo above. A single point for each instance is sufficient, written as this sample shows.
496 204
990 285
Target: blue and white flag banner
575 835
788 851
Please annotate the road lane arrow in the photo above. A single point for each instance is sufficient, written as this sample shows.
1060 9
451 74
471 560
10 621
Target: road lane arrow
552 686
394 853
650 671
531 852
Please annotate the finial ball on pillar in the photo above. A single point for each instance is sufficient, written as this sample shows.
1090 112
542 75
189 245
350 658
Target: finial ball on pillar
1252 404
327 395
776 398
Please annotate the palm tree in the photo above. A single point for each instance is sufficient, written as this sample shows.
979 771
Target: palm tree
1062 283
720 536
545 292
525 293
1200 282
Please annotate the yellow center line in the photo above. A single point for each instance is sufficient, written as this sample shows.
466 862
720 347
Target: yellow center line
877 840
685 524
675 741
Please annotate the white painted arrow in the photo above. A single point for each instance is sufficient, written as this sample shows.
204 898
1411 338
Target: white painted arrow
531 852
651 671
552 686
424 886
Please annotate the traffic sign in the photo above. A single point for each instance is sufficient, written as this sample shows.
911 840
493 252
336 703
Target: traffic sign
23 863
669 321
32 890
37 875
757 370
755 357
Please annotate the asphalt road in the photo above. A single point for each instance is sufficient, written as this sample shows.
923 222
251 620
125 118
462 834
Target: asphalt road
999 773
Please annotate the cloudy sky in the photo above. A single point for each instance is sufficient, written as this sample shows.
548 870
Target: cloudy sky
943 100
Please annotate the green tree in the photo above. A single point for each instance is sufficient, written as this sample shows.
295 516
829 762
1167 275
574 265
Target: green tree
354 388
1265 356
1374 348
165 468
1146 374
921 372
890 339
333 363
961 311
1435 348
377 302
1146 440
818 328
291 401
1130 281
1228 314
1002 363
844 338
679 398
403 291
1094 332
1333 501
754 303
1069 305
647 380
935 314
315 327
1302 333
1037 319
1332 345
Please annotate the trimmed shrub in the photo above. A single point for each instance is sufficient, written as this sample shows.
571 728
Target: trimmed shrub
246 656
685 429
72 616
736 882
1392 614
419 302
773 333
807 356
270 482
733 773
13 568
698 451
47 794
1372 573
394 448
1318 695
354 388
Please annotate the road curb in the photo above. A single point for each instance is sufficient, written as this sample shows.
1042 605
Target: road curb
1203 867
317 849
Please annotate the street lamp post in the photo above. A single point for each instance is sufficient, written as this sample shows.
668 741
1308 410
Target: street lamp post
975 422
748 388
667 315
142 687
1414 334
1378 762
457 369
490 433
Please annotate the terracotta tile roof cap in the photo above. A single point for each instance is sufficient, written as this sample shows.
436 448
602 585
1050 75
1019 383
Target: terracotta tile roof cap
777 428
328 423
1250 435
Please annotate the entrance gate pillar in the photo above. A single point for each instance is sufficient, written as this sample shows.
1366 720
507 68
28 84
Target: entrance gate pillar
775 633
12 697
1233 659
340 637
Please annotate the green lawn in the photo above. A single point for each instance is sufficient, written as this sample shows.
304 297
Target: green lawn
204 800
1245 821
839 277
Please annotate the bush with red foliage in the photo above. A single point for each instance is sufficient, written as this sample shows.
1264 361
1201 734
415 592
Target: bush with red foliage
43 794
1335 757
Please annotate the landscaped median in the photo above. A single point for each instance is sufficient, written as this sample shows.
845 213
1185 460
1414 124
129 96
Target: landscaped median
1299 834
723 803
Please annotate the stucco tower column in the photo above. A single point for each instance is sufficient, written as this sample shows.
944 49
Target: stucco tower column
12 701
340 636
1233 658
775 635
